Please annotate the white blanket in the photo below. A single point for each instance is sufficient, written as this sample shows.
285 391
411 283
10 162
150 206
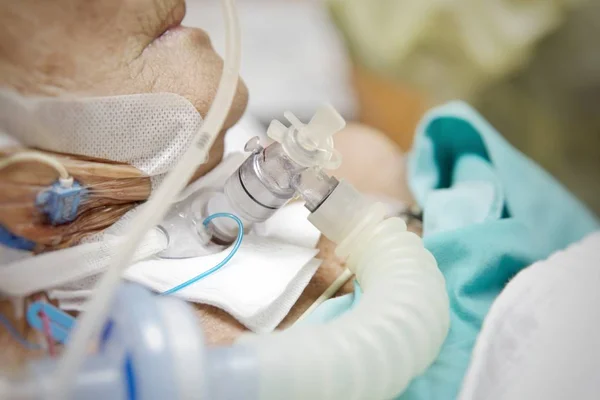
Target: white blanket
541 339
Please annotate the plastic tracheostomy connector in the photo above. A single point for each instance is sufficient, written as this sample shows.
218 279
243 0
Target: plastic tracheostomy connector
269 177
310 145
264 183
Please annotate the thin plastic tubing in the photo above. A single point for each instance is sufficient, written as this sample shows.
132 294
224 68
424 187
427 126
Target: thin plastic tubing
36 157
152 211
47 333
373 351
235 248
15 335
340 281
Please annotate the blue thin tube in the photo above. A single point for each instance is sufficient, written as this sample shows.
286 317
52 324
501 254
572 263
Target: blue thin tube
236 246
17 336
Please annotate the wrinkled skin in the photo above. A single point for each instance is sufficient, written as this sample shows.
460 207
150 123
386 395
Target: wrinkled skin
111 47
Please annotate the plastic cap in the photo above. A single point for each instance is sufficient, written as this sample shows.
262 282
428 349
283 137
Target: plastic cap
310 144
325 123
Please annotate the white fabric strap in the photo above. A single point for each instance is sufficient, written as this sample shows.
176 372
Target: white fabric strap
33 274
101 126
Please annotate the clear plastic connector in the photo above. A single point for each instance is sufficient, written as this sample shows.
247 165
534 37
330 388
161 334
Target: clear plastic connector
314 186
183 224
264 183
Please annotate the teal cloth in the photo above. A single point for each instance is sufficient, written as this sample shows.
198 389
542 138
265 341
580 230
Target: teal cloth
489 212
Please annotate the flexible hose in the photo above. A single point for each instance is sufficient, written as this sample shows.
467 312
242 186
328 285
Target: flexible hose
153 211
374 351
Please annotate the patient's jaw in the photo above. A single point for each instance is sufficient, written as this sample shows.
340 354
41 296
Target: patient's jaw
110 47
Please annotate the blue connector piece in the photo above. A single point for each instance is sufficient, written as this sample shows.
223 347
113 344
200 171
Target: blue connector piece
61 323
60 203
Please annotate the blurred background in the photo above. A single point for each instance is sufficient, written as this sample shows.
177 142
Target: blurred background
531 67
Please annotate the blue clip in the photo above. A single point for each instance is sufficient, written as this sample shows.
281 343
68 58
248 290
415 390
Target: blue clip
59 203
60 322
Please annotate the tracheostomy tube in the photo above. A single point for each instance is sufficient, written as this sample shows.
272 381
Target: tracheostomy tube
264 183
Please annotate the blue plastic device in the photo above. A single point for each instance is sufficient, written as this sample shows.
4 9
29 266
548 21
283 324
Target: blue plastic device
60 322
9 239
60 203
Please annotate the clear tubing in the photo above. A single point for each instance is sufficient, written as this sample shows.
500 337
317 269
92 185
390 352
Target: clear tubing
234 249
374 351
153 211
34 156
340 281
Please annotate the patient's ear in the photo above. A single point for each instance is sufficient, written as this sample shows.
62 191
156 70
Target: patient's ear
372 162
